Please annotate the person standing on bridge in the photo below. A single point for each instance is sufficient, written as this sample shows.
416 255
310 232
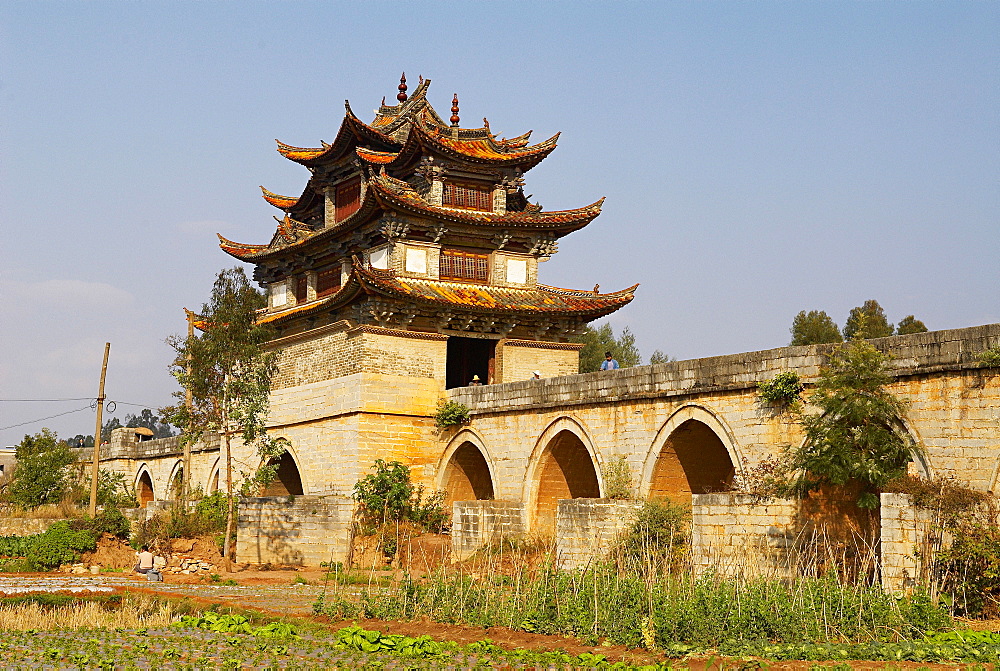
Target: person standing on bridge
609 362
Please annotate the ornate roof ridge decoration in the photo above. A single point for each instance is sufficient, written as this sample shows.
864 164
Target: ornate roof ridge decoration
280 202
488 298
585 293
542 344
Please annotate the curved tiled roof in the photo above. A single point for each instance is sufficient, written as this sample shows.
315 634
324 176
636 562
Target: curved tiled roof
541 300
238 249
281 202
486 298
353 131
391 194
398 195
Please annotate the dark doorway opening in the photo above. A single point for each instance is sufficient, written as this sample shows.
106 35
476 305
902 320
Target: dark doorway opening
287 480
468 357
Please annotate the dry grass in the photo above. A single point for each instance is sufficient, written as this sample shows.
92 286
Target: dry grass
51 511
134 613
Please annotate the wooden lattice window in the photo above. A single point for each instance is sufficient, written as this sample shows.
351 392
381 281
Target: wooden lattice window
327 282
348 198
468 196
458 265
301 289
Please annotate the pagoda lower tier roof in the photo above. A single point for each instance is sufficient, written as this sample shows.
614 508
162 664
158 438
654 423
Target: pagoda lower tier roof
393 195
539 301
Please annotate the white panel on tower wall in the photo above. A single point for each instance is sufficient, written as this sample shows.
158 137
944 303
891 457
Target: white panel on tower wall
379 258
517 271
279 295
416 260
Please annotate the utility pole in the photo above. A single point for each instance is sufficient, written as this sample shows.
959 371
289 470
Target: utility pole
95 470
188 403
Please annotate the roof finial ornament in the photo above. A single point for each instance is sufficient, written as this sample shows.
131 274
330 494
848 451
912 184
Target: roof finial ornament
421 79
454 110
383 101
486 124
401 96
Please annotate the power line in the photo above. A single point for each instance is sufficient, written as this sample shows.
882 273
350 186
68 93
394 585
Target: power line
44 400
34 421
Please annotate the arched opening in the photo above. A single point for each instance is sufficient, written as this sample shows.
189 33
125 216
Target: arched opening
287 480
144 489
177 482
693 460
467 476
565 471
213 486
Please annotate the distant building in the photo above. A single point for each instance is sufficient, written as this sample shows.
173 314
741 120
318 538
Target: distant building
8 457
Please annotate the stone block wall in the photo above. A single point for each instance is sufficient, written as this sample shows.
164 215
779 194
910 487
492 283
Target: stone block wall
905 534
300 531
338 349
17 526
732 534
477 523
520 358
586 529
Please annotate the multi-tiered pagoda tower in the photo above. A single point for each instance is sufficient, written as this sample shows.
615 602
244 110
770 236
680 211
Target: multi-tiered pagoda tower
413 251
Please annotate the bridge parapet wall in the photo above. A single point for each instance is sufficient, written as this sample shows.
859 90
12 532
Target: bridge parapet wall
915 354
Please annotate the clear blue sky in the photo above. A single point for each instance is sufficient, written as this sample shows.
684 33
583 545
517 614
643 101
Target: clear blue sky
758 159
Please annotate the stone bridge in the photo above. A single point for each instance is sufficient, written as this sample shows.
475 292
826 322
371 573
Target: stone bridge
683 428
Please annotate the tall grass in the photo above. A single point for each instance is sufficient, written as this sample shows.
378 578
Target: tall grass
602 602
645 592
133 613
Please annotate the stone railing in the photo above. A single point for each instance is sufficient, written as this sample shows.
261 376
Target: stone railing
916 354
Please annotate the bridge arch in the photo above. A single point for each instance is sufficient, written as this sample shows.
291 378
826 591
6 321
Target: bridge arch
176 481
694 452
466 469
288 478
144 492
562 465
213 485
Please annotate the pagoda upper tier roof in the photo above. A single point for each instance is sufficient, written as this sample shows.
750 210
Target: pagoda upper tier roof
540 301
388 194
481 148
414 126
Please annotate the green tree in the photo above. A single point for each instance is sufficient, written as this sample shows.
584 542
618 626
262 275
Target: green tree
229 379
867 321
910 324
855 433
814 328
146 419
108 427
43 472
597 341
659 356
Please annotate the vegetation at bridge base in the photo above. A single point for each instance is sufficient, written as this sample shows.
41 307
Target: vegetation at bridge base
208 517
855 433
388 495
